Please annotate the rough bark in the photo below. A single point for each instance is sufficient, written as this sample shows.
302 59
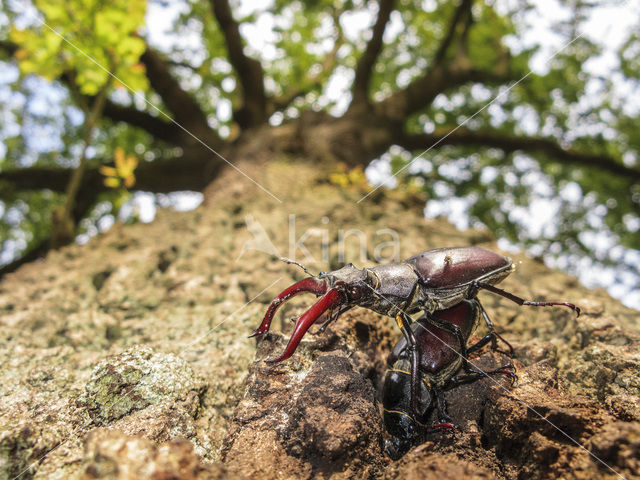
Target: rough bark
113 353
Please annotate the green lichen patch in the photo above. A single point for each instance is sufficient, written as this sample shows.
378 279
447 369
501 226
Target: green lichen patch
133 380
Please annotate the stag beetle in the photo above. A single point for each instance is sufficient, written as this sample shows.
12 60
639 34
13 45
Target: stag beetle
440 363
429 281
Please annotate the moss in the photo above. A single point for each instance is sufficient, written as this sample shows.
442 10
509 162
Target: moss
133 380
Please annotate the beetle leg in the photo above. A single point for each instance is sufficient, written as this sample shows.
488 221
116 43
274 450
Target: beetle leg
473 375
405 325
487 320
444 425
404 322
444 420
332 317
473 290
521 301
489 337
501 338
496 336
441 405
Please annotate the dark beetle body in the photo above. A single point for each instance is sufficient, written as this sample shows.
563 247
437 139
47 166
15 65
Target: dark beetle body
440 362
430 281
439 352
437 282
446 274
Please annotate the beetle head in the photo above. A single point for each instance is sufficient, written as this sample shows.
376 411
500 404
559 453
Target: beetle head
357 286
398 445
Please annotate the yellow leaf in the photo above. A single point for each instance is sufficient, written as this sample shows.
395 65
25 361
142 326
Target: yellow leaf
130 181
339 179
108 171
356 175
118 157
20 54
112 182
138 68
129 165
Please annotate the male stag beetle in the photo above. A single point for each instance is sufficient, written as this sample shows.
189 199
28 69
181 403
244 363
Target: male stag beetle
429 281
439 369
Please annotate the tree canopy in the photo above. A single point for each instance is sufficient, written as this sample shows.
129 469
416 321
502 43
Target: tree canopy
454 97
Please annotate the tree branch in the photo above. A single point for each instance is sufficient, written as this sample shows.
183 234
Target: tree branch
157 127
165 130
364 69
312 80
154 125
9 48
423 90
160 176
184 108
254 108
463 11
444 73
508 143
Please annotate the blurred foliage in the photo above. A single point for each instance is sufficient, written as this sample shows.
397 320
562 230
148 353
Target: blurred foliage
88 37
308 51
121 178
25 219
345 176
122 175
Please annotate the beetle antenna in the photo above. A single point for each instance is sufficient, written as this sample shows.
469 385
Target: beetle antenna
293 262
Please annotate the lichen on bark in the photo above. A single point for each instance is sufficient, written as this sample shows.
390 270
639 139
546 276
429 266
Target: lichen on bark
163 310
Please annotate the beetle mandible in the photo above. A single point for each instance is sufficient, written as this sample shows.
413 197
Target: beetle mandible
429 281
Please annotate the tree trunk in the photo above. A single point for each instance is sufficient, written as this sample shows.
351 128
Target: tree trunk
139 339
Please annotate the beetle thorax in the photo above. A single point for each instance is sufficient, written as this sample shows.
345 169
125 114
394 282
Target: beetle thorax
348 275
394 288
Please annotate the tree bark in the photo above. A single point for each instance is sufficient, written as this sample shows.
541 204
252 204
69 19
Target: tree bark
146 323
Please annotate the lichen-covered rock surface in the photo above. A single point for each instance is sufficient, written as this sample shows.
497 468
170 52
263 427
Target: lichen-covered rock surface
128 357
